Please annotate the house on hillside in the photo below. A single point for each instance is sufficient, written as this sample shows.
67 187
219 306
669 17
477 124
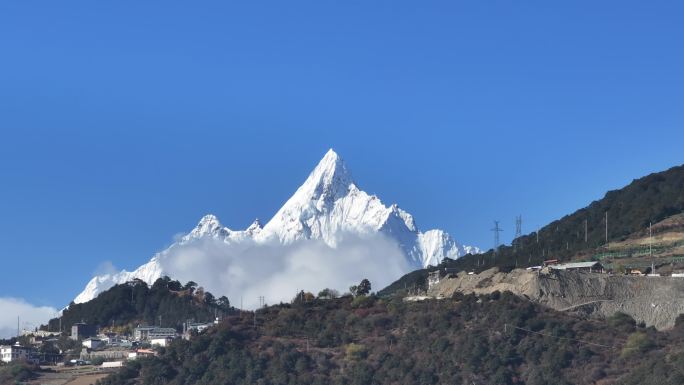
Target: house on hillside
190 328
591 267
163 342
93 343
147 333
39 333
82 330
113 339
16 352
141 353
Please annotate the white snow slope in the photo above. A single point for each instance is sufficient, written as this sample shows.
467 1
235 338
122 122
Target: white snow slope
329 202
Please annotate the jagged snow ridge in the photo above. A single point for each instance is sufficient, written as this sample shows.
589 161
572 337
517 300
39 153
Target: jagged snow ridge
327 203
148 272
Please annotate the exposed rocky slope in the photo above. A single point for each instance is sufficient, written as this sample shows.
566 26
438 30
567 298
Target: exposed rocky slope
656 301
579 236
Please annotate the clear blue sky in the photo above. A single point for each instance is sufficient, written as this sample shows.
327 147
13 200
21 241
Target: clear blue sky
122 123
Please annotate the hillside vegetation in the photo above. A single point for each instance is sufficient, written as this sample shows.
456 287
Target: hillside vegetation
652 198
166 301
492 339
17 373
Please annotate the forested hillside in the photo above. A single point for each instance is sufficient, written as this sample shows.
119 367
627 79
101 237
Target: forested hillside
166 301
630 210
494 339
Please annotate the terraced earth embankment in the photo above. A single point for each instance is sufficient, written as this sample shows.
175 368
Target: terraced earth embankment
657 301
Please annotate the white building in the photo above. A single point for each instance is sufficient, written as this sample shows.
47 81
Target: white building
39 333
17 353
93 343
197 327
592 266
163 342
114 340
141 353
146 333
112 364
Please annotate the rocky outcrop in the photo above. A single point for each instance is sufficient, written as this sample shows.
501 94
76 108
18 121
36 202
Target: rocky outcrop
656 301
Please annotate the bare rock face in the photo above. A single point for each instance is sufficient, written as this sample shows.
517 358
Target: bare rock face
657 301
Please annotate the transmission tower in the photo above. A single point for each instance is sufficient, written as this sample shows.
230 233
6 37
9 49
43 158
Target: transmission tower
518 231
496 231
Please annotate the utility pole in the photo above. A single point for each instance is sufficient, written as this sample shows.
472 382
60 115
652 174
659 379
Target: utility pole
518 230
606 227
650 239
650 246
585 231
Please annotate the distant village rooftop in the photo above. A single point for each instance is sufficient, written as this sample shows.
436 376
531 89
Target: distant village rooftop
592 266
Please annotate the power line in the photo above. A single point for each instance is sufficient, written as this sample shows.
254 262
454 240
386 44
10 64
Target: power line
506 326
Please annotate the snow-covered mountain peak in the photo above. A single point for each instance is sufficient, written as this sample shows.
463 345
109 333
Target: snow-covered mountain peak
209 221
209 225
325 206
406 217
329 180
255 227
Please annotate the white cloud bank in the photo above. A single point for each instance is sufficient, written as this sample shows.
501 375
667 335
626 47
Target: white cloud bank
30 316
247 270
